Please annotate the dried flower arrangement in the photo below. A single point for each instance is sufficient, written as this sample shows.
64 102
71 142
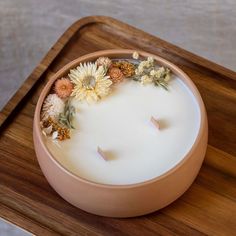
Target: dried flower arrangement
91 81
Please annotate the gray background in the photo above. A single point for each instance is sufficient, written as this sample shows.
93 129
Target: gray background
28 28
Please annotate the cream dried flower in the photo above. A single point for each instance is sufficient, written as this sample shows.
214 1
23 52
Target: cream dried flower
150 60
47 131
142 66
55 135
161 73
167 77
145 79
146 72
153 72
52 107
104 61
135 55
139 71
158 72
90 82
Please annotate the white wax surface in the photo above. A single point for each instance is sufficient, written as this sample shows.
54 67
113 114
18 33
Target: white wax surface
120 125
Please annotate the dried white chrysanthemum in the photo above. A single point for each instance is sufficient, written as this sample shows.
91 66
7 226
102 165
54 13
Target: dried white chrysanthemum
90 82
52 107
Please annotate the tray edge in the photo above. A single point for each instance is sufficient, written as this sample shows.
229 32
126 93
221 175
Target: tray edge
27 85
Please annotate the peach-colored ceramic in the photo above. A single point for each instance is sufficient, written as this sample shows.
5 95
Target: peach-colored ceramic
122 200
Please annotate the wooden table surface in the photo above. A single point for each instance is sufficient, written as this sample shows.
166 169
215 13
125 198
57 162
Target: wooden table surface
207 208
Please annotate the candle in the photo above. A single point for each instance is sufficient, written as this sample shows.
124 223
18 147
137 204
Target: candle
124 131
121 126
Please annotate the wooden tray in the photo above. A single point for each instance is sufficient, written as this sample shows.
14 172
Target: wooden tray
207 208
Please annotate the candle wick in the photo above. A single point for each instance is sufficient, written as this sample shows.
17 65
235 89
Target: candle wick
102 154
155 122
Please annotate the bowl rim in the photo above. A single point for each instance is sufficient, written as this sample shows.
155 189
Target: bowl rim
116 53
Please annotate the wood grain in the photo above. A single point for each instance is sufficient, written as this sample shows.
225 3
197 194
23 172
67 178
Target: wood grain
207 208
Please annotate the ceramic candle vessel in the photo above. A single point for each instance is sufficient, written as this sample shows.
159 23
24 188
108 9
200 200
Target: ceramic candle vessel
130 195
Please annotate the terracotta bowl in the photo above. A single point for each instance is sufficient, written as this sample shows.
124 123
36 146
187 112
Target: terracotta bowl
122 200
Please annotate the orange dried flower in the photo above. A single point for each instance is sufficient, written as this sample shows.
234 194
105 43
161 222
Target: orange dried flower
62 132
63 87
127 68
115 74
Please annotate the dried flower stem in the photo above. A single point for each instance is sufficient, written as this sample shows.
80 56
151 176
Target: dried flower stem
66 118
